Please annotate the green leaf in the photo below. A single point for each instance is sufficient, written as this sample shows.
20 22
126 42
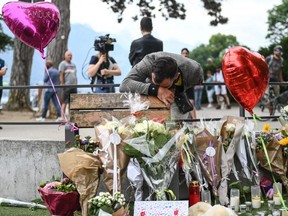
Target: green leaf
131 151
107 209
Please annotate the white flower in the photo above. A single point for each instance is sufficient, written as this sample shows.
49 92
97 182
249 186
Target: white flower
286 109
230 127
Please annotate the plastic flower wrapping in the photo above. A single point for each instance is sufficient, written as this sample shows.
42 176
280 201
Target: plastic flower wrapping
157 150
111 134
275 143
283 119
106 204
60 197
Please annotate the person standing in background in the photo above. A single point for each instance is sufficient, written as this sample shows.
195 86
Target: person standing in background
145 45
191 94
275 65
68 76
220 89
209 89
50 93
3 70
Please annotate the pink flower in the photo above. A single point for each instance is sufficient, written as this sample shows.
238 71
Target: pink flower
51 185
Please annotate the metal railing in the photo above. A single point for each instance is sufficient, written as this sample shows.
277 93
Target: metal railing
241 109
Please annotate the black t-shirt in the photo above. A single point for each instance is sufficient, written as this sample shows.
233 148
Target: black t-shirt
104 65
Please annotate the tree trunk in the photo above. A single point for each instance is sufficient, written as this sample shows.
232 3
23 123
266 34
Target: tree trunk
58 46
19 99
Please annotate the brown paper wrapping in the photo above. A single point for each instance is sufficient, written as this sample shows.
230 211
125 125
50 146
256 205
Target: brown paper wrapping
202 142
107 159
277 160
83 168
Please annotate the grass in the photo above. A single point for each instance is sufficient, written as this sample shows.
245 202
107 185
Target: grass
20 211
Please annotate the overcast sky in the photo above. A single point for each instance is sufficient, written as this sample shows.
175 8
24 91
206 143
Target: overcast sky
247 21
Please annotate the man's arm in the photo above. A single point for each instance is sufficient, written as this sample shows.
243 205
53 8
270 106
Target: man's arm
139 78
3 71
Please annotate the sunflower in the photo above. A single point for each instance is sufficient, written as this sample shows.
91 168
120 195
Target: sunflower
284 141
266 128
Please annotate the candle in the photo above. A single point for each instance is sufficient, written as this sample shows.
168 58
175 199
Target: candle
256 202
277 190
235 198
276 199
206 196
194 193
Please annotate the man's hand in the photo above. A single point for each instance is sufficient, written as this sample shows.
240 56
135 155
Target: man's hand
166 95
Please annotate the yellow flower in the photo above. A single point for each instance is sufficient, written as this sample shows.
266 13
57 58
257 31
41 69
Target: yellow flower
284 141
266 128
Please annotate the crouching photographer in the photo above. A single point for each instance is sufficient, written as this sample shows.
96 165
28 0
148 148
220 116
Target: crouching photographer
102 67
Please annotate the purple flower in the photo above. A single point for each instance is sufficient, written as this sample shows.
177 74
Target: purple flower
279 137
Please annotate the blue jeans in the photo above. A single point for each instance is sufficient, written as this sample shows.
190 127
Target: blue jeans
50 95
198 98
104 89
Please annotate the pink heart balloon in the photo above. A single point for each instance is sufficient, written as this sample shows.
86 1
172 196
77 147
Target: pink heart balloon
35 24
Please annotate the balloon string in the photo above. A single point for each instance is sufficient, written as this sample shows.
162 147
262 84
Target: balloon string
73 127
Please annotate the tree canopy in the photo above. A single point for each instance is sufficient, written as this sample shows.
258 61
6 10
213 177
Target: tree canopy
167 8
278 22
216 48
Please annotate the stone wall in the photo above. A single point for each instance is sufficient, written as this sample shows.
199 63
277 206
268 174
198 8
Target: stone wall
24 164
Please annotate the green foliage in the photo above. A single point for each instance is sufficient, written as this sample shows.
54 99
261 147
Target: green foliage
6 41
216 48
278 22
167 8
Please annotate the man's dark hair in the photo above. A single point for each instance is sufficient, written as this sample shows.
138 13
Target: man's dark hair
164 68
185 49
146 24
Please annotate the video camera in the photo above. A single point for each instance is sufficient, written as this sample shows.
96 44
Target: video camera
104 43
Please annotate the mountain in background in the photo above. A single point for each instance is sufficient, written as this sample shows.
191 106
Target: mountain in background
81 41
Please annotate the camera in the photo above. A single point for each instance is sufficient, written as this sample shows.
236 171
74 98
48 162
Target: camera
104 43
183 102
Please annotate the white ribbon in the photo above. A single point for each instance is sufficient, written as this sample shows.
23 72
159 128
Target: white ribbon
115 139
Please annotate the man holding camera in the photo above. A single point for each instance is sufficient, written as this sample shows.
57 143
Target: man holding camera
167 76
102 67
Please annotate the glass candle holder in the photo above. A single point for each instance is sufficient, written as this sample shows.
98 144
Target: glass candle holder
276 195
235 198
256 196
248 206
271 204
283 212
243 208
276 213
206 196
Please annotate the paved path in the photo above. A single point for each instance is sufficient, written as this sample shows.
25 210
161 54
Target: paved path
57 132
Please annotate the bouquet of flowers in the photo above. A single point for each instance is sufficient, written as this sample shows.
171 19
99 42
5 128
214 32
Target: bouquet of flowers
284 116
114 161
87 144
106 204
60 197
231 129
83 168
157 151
209 151
275 145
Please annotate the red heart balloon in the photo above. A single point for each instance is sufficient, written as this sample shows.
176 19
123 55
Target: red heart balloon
35 24
246 75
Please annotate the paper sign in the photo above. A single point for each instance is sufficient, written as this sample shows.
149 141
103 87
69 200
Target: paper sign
161 208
